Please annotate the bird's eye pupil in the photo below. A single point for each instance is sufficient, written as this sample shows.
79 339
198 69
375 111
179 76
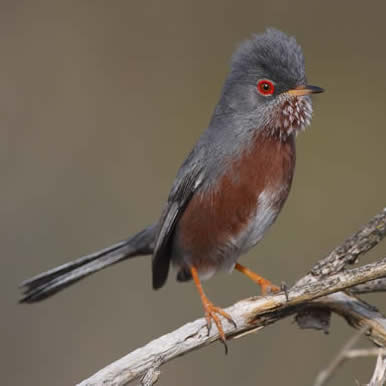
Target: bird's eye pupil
265 87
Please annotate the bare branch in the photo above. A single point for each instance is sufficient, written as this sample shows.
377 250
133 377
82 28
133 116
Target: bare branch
248 314
365 353
379 376
347 253
378 285
348 353
320 289
151 377
357 313
338 360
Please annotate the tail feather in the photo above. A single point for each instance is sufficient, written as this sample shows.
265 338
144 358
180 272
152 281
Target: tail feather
50 282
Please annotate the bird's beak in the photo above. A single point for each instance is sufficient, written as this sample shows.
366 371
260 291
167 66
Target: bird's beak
305 90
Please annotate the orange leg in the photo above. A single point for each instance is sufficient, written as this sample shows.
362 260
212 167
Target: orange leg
211 310
265 285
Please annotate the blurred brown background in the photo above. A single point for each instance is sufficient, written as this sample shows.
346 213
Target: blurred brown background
100 102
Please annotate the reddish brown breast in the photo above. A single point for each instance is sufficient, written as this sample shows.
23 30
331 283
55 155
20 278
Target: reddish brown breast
214 217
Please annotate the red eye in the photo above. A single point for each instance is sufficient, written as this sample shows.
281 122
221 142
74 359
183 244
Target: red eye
265 87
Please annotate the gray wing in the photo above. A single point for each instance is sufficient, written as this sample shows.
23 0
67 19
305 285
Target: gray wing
189 178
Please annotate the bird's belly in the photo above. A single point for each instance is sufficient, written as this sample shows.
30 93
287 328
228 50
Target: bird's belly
216 244
267 209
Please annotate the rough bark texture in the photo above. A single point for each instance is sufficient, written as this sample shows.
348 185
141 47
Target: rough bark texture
327 288
361 242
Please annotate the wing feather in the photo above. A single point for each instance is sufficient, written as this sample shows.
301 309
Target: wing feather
188 180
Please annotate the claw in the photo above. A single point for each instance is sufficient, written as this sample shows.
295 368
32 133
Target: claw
211 311
225 346
284 288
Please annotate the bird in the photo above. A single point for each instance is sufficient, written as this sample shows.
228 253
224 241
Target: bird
231 187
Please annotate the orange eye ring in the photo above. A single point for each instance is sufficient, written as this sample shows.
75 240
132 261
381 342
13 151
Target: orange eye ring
265 87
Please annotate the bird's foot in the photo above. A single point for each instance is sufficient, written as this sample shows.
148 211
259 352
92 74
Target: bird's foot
266 286
211 313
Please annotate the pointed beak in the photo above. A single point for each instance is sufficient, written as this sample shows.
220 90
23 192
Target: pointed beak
305 90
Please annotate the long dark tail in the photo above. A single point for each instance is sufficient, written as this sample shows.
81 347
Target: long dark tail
48 283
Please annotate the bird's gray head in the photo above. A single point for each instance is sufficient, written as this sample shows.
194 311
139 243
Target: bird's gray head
267 85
